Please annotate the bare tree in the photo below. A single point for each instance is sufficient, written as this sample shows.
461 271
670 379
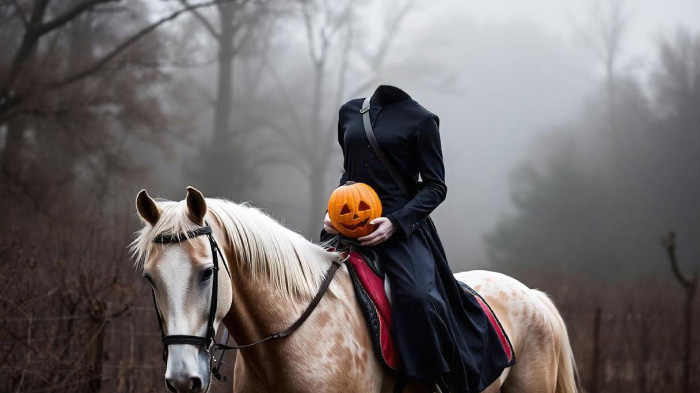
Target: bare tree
41 21
610 21
236 25
330 29
690 285
55 310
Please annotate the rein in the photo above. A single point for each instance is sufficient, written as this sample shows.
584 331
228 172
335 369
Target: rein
209 341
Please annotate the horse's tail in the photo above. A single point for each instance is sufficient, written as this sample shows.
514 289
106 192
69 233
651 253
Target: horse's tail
568 380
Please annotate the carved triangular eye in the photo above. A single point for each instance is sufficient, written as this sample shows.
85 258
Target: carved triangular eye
363 206
345 210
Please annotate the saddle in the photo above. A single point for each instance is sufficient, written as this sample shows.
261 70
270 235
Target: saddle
373 295
369 286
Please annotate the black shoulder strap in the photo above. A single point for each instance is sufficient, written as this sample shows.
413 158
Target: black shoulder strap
380 154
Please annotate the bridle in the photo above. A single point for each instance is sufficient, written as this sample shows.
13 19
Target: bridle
209 341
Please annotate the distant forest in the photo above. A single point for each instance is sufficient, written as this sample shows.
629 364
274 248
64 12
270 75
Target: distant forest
601 190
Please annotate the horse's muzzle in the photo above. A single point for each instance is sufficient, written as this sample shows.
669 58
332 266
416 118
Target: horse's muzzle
185 384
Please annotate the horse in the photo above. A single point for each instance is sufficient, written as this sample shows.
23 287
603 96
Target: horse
271 275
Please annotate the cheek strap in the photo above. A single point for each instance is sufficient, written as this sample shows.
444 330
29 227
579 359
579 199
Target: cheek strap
209 340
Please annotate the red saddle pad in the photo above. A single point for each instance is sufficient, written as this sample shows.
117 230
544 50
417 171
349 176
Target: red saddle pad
369 288
375 306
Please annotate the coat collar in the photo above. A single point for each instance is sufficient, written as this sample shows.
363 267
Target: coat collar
387 95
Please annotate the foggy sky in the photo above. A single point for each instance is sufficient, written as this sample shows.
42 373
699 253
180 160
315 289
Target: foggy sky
512 70
498 73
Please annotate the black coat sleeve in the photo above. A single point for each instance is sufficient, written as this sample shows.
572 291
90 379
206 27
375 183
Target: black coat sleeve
432 171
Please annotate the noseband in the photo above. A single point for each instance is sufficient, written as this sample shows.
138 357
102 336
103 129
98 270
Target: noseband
209 341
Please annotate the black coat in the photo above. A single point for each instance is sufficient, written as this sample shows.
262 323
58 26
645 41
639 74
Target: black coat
441 332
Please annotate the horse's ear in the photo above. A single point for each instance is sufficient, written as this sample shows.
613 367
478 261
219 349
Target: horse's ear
147 208
196 205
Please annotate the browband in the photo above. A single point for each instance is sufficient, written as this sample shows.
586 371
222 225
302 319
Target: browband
181 237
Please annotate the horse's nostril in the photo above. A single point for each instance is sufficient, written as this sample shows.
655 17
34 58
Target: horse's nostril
170 386
195 384
184 385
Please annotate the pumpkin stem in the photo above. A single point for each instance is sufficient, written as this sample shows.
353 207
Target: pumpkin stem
349 183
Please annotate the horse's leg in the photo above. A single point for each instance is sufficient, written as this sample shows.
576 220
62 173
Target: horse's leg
530 332
535 374
495 387
535 370
242 383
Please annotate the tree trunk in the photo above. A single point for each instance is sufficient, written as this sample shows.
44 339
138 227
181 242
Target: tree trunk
688 342
11 161
318 164
690 285
224 92
595 360
94 354
218 170
317 201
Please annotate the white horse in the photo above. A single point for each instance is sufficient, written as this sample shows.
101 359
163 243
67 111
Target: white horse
275 273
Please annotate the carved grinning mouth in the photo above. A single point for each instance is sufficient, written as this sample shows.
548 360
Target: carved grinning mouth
355 226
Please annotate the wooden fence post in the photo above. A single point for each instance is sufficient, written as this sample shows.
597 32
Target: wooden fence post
94 354
595 360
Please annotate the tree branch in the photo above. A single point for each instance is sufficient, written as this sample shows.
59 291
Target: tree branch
127 43
69 15
283 132
237 47
29 40
310 34
377 61
669 243
20 13
286 98
393 28
207 25
278 158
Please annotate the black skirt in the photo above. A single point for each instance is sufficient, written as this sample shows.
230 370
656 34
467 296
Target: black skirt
440 330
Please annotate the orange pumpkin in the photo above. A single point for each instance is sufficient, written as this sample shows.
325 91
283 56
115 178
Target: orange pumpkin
352 206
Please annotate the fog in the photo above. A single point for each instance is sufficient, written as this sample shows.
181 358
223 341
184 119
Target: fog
569 128
497 74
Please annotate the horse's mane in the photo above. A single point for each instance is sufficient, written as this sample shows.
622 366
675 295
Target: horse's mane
295 266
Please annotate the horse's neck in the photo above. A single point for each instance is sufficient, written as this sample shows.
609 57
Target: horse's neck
257 308
334 333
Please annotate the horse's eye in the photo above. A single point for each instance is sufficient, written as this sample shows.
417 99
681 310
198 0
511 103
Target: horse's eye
207 274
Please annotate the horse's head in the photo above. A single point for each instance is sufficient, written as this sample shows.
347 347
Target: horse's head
183 276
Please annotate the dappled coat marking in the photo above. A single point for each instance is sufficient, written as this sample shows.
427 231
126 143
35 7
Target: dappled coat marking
275 272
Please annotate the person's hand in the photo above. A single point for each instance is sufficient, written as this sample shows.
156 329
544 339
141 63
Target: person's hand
328 225
385 228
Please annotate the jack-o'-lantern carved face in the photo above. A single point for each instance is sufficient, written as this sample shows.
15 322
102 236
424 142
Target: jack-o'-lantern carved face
351 208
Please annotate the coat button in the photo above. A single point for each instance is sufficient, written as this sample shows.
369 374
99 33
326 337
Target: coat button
369 145
365 164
